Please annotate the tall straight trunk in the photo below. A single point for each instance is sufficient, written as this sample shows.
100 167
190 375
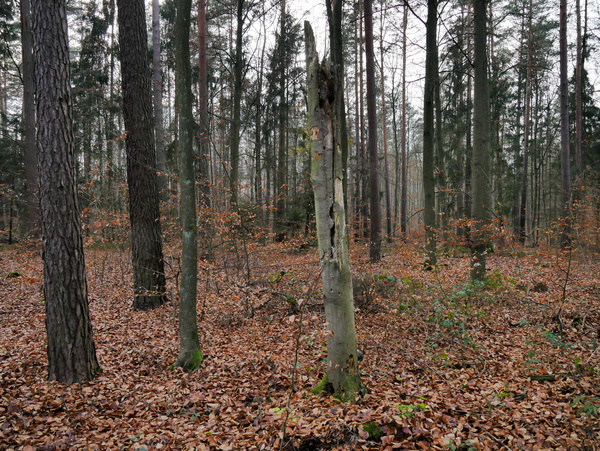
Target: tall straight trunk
428 130
375 206
238 70
363 148
578 101
159 130
31 170
481 146
564 126
404 195
146 240
469 125
190 356
386 171
71 350
203 134
110 118
280 178
527 131
342 376
357 131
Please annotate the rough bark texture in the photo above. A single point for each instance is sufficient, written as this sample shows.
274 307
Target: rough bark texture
428 130
327 177
375 206
564 125
71 350
237 102
404 195
31 171
481 144
159 130
146 240
334 15
203 135
527 131
190 356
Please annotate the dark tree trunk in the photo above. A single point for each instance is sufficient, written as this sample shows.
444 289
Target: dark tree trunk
71 350
375 210
428 130
31 171
238 70
481 146
159 129
204 134
190 356
146 240
564 126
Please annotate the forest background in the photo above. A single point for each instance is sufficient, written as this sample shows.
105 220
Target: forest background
258 263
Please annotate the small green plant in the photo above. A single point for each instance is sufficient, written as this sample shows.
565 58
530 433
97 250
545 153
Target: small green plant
531 361
410 410
374 431
590 407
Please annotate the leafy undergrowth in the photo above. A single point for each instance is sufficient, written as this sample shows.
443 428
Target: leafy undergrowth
508 364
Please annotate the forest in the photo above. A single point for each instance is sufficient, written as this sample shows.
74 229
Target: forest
365 224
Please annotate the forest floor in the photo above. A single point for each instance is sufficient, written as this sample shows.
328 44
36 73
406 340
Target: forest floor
447 364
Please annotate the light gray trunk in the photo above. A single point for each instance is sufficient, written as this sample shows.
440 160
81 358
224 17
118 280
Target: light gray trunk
327 178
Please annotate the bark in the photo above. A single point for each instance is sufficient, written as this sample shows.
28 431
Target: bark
386 171
564 126
71 349
159 130
280 176
203 133
342 360
375 206
190 356
404 194
428 130
334 15
146 240
578 100
481 145
527 131
31 170
238 70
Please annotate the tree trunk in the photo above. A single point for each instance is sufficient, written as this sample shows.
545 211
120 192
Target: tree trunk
71 349
404 195
334 15
31 170
428 131
564 126
237 102
375 210
190 356
386 171
481 145
527 131
146 240
203 134
159 130
342 377
578 101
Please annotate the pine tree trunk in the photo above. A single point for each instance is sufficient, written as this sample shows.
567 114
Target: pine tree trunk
342 378
146 240
237 104
404 195
31 170
71 349
386 171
